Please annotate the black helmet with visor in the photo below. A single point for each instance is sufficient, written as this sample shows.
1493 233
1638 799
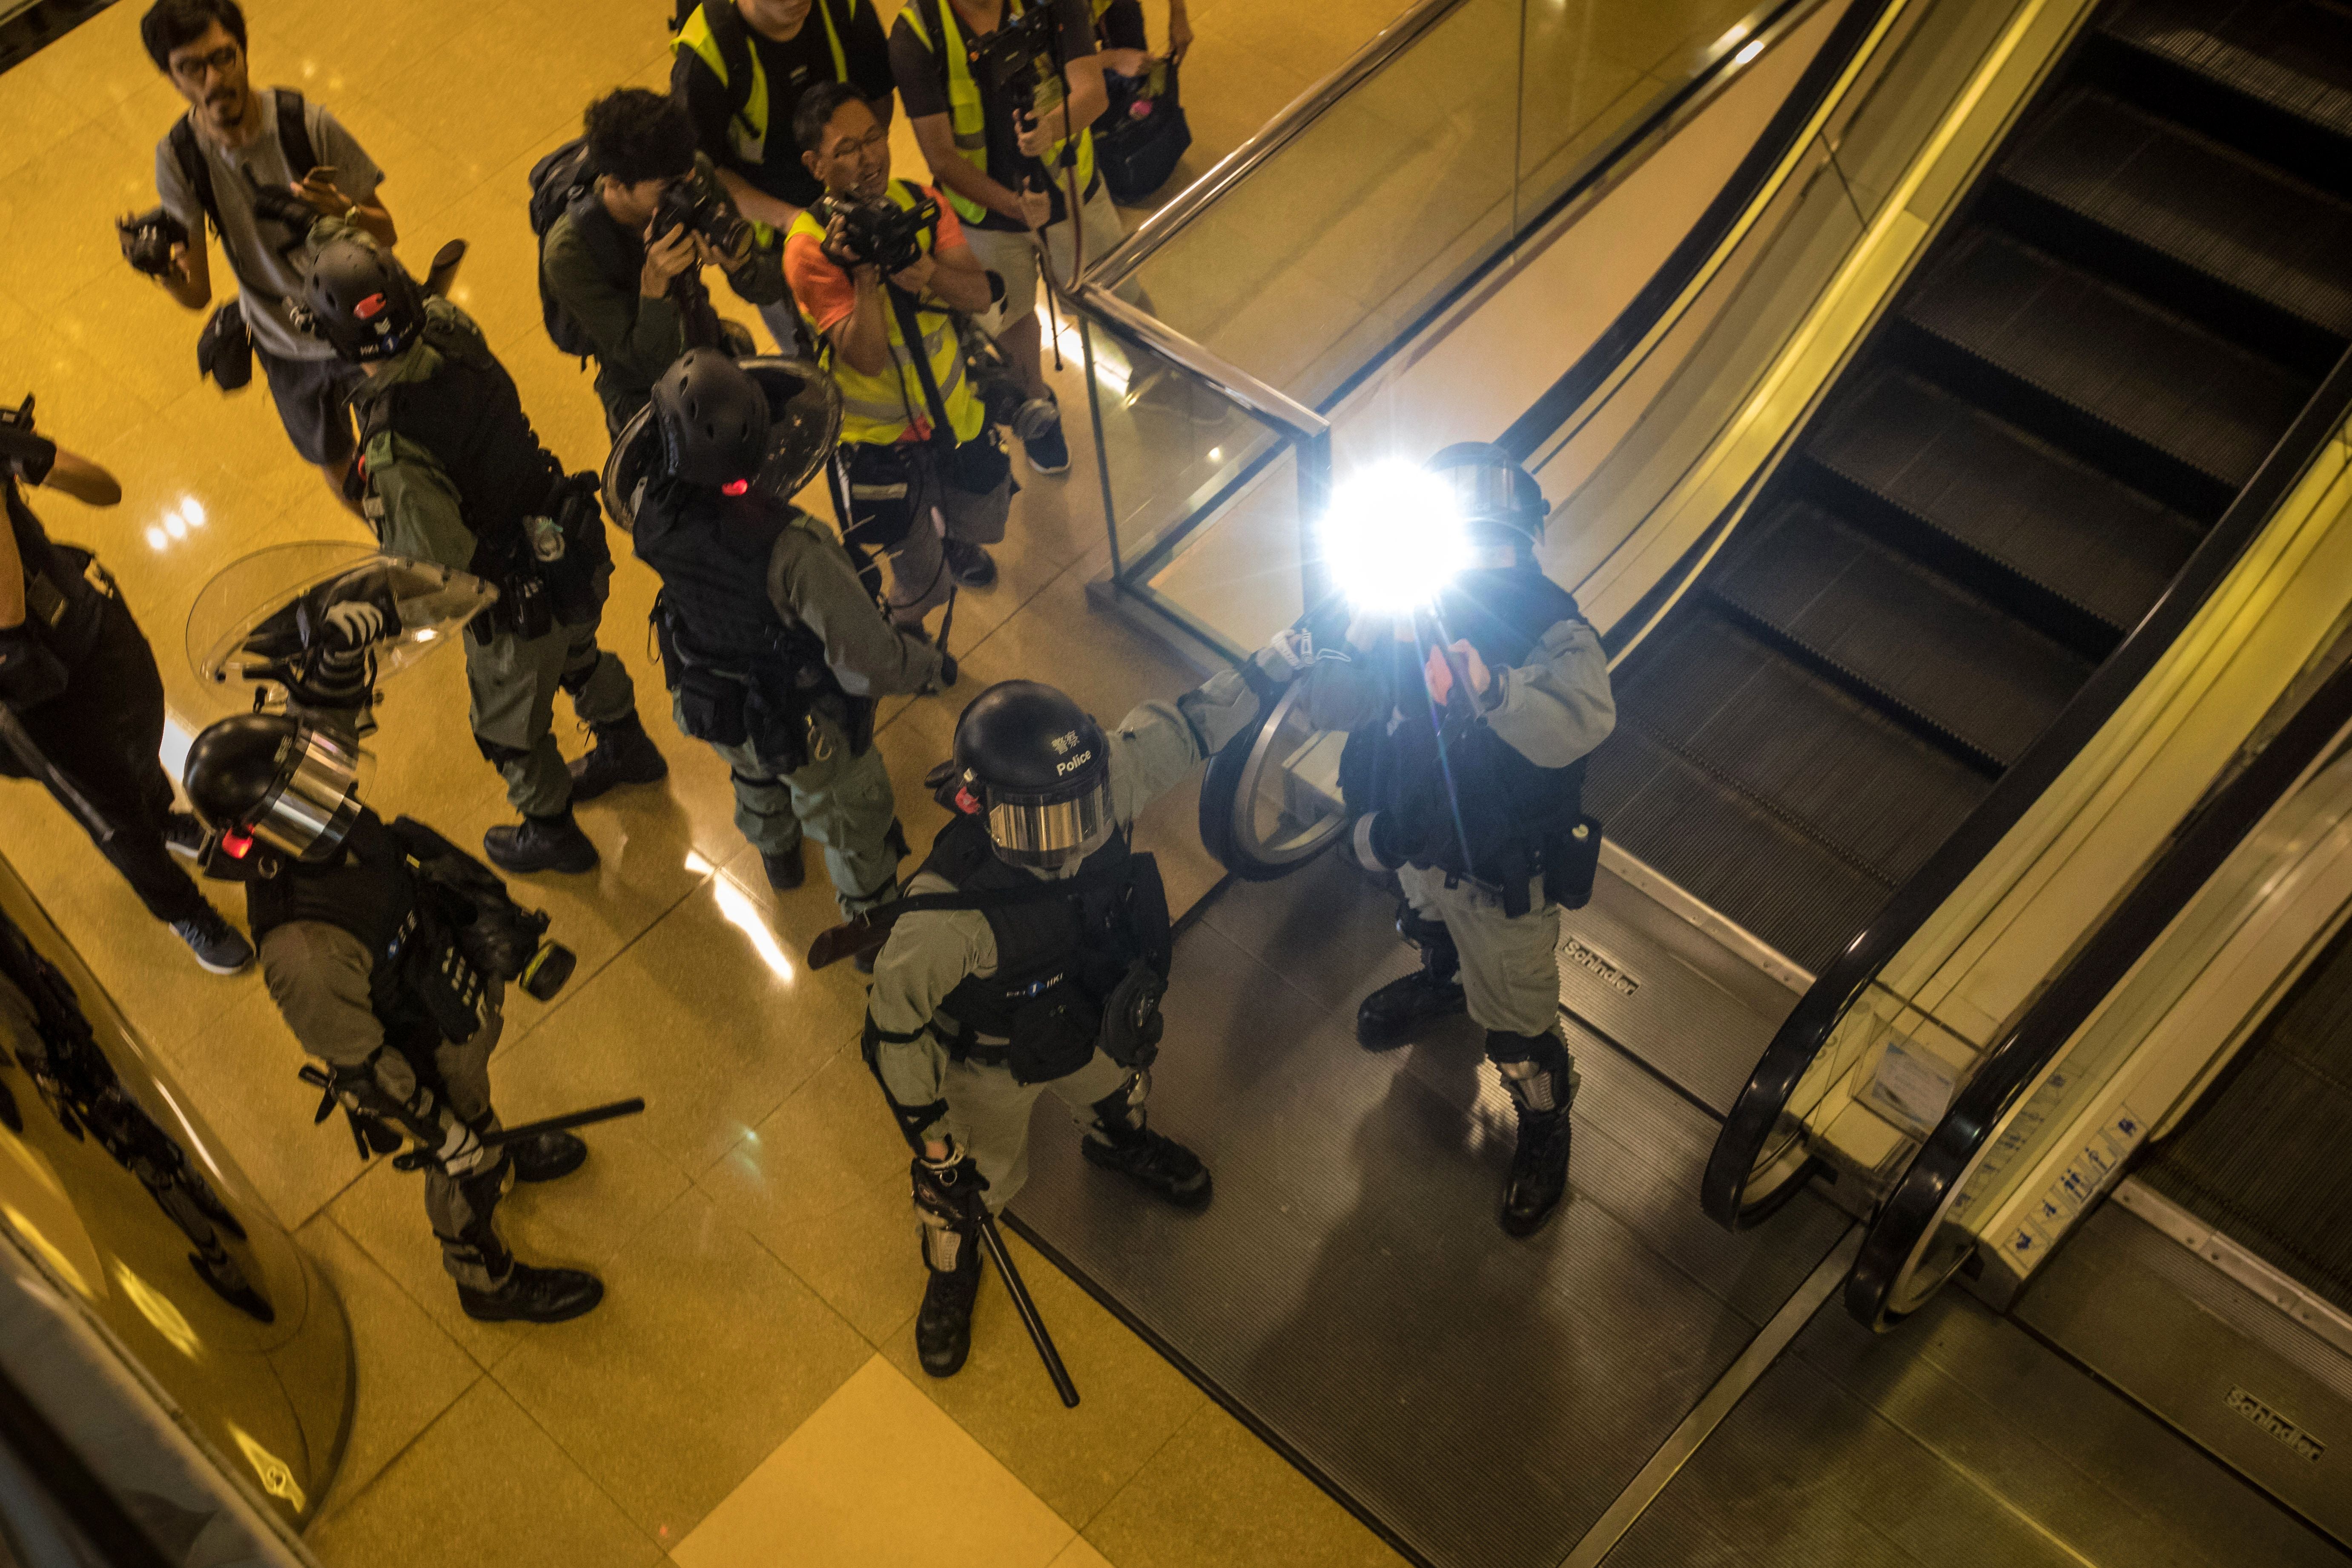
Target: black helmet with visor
1039 769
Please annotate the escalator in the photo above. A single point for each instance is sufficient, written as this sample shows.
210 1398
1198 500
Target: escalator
2143 290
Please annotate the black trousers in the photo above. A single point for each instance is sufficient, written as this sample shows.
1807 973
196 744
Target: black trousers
103 732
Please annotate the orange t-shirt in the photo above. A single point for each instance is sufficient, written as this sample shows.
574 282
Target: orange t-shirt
825 294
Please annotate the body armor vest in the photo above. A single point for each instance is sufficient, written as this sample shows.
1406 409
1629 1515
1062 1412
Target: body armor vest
1057 958
370 891
469 416
1457 797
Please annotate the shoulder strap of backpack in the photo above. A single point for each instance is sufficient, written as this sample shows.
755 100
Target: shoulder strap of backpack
294 133
734 41
196 168
910 328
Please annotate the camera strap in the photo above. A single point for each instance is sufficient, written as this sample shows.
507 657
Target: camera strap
911 329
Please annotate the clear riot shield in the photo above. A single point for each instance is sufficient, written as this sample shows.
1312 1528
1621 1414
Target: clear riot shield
314 622
804 423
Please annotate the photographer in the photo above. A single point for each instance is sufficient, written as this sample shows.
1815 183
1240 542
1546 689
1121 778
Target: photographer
624 259
369 966
742 67
1004 147
1120 40
924 476
80 684
455 474
260 168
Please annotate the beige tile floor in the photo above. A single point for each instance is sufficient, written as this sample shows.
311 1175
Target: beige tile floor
747 1394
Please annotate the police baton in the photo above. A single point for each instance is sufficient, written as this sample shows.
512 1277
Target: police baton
993 1241
37 762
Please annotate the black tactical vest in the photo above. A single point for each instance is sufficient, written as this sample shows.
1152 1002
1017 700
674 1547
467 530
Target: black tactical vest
469 416
370 891
713 554
1055 958
1460 798
59 601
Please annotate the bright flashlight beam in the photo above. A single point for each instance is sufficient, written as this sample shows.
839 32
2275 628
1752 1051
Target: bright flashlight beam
1394 538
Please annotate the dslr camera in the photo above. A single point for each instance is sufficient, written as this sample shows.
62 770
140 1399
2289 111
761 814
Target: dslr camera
707 213
148 239
878 233
1007 58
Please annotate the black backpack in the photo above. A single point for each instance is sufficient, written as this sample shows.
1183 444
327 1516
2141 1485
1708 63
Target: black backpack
557 180
293 140
1137 152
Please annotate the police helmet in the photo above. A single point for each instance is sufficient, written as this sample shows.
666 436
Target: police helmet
360 299
1499 500
272 779
1039 769
713 419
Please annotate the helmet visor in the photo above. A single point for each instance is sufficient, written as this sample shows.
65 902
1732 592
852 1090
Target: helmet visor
316 796
1491 493
1047 836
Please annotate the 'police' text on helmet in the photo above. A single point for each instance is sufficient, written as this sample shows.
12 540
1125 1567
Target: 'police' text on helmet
1039 769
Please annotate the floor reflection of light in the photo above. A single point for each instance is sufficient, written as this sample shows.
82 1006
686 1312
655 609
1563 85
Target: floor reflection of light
50 1252
1749 51
176 525
697 865
192 510
742 914
157 539
165 1318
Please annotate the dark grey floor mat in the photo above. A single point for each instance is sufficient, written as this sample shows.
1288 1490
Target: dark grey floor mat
1483 1399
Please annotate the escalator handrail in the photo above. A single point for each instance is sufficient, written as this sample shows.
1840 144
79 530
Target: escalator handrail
2205 839
1807 1029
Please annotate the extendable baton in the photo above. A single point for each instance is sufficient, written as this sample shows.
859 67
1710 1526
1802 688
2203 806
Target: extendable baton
37 762
991 1238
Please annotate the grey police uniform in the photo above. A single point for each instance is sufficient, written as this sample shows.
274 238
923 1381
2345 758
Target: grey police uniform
1548 706
453 470
937 1092
775 653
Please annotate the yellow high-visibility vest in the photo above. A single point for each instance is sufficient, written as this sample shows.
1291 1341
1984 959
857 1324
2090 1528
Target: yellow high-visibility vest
877 409
747 131
965 117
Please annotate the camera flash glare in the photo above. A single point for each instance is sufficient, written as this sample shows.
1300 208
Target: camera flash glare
1393 537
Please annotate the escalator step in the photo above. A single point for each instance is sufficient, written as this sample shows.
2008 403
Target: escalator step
1796 745
1901 636
2218 214
1733 855
2063 528
2143 387
2292 56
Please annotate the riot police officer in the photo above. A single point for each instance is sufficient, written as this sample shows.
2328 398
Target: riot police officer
362 959
1469 722
1030 956
455 474
83 698
775 650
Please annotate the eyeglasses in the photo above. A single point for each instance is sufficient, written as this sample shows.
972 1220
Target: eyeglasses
192 67
862 146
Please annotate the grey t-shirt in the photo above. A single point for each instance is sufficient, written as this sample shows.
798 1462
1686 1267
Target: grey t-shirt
265 255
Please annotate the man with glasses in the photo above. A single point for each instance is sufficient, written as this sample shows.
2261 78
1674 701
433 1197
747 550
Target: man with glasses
259 168
629 277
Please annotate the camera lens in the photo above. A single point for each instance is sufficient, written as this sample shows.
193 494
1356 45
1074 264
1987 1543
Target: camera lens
549 968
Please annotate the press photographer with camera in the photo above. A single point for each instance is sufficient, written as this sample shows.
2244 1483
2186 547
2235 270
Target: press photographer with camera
455 474
985 84
879 268
642 214
81 703
741 68
259 168
387 951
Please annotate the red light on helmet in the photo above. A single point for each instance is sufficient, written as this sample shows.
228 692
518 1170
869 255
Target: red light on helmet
735 487
236 846
965 803
369 309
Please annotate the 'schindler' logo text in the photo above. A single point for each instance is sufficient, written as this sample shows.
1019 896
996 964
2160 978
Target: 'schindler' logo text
1604 970
2254 1410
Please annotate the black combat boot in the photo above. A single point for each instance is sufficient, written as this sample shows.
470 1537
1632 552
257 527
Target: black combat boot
1396 1014
540 844
1542 1082
623 754
943 1326
534 1296
546 1157
1119 1140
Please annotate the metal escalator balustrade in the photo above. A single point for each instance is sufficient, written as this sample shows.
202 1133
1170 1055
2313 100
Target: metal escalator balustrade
2074 419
